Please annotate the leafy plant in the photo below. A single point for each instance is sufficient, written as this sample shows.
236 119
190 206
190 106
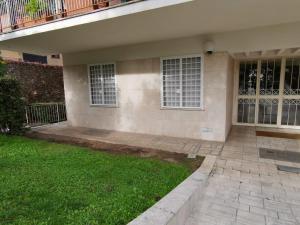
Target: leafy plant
35 7
12 115
3 67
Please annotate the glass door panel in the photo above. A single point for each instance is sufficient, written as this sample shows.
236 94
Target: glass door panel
290 115
247 92
290 112
292 77
270 77
268 110
246 110
247 78
269 86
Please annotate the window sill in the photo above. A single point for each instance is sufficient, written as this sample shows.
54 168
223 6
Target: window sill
182 109
104 106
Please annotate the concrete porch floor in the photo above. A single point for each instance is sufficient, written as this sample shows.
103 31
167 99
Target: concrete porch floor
243 188
171 144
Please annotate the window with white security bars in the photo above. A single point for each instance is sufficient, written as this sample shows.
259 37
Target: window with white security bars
102 82
181 82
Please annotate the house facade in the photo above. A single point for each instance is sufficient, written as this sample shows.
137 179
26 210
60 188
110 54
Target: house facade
52 60
182 68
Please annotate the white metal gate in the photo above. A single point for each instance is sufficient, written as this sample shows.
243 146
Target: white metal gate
39 114
269 92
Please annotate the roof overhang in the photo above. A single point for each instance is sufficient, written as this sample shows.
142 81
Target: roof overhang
149 21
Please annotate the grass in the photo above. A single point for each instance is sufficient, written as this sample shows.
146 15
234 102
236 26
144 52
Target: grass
47 183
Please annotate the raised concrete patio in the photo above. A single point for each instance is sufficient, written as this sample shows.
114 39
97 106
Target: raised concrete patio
243 188
171 144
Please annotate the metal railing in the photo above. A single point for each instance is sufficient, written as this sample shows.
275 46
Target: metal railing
45 113
16 14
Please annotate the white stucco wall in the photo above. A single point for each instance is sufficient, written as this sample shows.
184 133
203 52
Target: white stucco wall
229 96
162 48
139 108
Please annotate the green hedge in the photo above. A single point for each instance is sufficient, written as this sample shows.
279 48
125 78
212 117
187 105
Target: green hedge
12 106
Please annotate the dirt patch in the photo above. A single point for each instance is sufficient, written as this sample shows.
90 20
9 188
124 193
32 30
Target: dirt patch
111 148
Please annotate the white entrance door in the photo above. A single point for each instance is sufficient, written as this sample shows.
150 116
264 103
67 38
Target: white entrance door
269 92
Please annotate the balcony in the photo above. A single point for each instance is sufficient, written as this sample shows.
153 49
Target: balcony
20 14
129 25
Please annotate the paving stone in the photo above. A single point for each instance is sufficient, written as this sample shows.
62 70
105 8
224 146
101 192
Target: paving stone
263 195
250 218
251 200
273 221
219 170
220 163
277 206
244 207
251 187
264 212
286 217
224 209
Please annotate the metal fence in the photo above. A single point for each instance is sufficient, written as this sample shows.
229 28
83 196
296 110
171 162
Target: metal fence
45 113
15 14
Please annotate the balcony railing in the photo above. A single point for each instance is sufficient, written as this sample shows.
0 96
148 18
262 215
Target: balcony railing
17 14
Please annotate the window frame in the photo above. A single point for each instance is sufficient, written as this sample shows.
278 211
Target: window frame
90 89
201 108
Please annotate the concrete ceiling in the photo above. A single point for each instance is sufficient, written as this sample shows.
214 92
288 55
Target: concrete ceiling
198 17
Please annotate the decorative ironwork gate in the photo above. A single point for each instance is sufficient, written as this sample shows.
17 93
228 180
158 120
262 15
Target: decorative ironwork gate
269 92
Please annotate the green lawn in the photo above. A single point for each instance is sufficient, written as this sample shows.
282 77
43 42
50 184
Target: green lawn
47 183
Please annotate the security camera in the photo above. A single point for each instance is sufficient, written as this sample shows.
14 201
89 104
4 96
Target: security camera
209 47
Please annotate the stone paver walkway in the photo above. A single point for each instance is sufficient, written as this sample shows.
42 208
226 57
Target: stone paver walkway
246 190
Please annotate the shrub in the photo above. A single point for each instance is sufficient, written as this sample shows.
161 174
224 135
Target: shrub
12 107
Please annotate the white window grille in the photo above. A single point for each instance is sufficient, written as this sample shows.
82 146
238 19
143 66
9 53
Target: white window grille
102 82
182 82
